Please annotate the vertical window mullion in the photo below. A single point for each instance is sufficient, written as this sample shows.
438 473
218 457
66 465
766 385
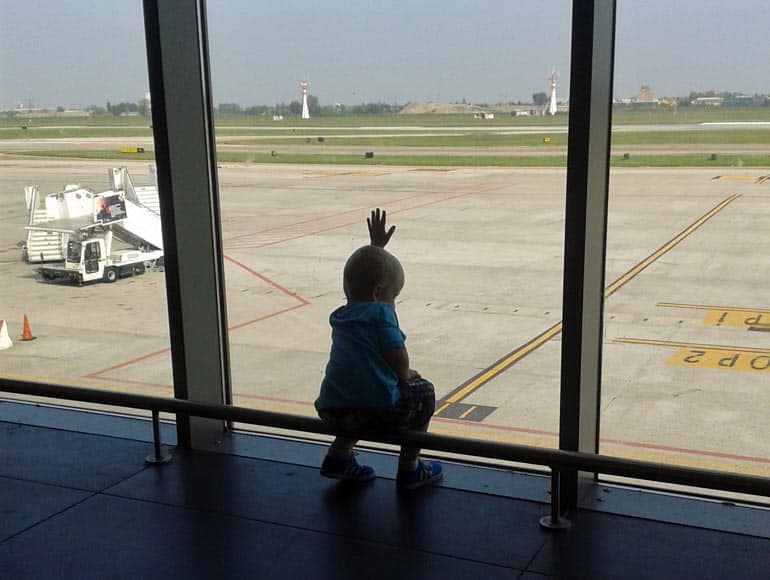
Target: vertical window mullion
593 32
187 181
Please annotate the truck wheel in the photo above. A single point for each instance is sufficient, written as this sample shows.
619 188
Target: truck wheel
110 275
139 269
48 275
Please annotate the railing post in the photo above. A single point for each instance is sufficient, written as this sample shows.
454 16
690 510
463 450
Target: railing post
158 456
554 521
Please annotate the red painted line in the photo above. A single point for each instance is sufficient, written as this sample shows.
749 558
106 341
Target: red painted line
96 375
272 399
267 281
255 243
716 454
266 316
633 444
498 427
99 374
302 302
315 219
166 387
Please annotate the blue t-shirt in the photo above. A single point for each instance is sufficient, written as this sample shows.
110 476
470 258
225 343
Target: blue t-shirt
357 375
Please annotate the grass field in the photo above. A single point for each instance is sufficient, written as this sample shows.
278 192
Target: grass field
620 116
428 140
693 160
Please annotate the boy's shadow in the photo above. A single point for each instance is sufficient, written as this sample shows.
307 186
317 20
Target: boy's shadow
377 511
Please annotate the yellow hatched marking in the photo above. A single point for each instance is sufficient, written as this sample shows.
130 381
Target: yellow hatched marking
468 412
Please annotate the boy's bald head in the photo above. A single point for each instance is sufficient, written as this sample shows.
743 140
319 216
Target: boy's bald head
370 267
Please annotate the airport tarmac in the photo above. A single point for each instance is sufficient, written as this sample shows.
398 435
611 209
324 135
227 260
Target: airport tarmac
686 352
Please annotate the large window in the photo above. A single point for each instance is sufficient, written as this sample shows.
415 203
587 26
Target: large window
77 166
438 114
686 348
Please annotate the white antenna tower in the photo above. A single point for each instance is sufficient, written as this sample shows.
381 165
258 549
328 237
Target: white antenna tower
305 110
552 104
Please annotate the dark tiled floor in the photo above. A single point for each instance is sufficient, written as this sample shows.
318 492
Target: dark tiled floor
79 505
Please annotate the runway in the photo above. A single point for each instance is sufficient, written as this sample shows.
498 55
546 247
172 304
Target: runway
482 251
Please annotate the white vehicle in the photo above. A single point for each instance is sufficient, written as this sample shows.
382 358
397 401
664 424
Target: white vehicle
84 224
91 259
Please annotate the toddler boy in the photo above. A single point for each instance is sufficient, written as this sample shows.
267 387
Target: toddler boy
368 387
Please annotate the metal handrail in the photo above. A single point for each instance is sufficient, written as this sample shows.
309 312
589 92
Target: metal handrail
558 460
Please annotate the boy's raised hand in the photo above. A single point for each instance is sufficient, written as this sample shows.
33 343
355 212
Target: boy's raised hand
376 224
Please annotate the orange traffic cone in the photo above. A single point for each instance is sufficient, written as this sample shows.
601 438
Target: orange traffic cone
27 335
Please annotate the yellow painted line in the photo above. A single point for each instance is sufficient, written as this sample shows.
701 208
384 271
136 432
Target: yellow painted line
524 350
328 173
710 307
625 278
441 408
468 412
739 177
505 363
692 345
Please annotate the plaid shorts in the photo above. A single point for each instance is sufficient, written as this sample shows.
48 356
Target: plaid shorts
414 413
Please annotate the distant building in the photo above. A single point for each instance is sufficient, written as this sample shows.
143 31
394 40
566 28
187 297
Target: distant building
483 115
644 94
708 101
527 111
31 112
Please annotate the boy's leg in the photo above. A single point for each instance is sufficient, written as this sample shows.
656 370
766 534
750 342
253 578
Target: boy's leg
341 447
409 456
340 461
414 472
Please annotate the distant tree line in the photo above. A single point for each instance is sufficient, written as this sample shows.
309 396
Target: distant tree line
294 108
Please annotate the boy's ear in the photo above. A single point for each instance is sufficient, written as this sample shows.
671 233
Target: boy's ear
376 291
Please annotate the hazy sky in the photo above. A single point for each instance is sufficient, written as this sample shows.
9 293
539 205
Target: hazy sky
83 52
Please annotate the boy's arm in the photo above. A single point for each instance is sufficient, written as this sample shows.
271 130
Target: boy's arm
398 360
376 224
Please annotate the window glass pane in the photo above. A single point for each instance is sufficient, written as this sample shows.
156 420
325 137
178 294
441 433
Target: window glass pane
78 169
686 352
439 115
